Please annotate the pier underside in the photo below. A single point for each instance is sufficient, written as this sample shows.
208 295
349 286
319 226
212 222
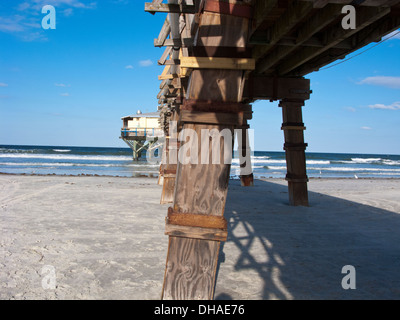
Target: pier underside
220 56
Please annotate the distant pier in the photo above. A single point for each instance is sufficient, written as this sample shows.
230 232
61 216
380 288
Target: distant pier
142 131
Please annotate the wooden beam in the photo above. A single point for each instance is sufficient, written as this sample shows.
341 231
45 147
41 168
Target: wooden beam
371 3
165 31
332 37
233 9
178 43
258 87
372 33
169 8
295 13
262 8
210 234
317 23
312 42
165 56
217 63
196 220
211 117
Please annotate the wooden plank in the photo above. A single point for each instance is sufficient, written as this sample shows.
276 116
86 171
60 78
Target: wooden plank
218 63
332 37
211 117
317 23
372 33
168 8
165 56
217 85
261 11
234 9
212 31
190 275
372 3
295 13
196 220
190 193
269 88
210 234
177 43
167 195
165 31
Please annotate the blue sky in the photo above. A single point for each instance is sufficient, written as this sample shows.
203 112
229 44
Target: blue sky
71 86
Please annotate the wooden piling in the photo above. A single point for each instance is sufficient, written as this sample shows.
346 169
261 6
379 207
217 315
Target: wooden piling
293 128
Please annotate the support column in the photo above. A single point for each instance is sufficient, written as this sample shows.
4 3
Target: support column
170 161
246 172
195 223
295 147
136 153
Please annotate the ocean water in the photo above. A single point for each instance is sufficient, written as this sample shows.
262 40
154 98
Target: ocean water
43 160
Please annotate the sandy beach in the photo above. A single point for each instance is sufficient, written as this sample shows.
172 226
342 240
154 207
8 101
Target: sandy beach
103 238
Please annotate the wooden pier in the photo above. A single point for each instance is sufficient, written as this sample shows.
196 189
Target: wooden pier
219 57
141 132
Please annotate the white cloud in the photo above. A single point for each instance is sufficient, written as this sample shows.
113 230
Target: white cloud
145 63
2 84
64 94
12 24
389 82
351 109
366 128
393 106
68 12
129 67
38 4
62 85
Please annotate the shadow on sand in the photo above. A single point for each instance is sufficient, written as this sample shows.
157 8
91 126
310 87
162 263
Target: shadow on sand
275 251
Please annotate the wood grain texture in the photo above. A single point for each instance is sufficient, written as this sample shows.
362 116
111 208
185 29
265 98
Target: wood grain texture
222 30
196 220
196 232
190 275
202 188
167 195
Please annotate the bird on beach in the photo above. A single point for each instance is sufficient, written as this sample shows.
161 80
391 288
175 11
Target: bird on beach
355 176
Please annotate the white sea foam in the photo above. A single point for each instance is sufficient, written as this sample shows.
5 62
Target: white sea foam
391 162
71 164
64 157
366 160
61 150
349 169
272 161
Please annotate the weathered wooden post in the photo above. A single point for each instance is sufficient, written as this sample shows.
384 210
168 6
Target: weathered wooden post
246 174
170 160
195 224
295 147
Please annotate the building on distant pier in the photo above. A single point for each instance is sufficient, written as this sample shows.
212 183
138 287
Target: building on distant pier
142 131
